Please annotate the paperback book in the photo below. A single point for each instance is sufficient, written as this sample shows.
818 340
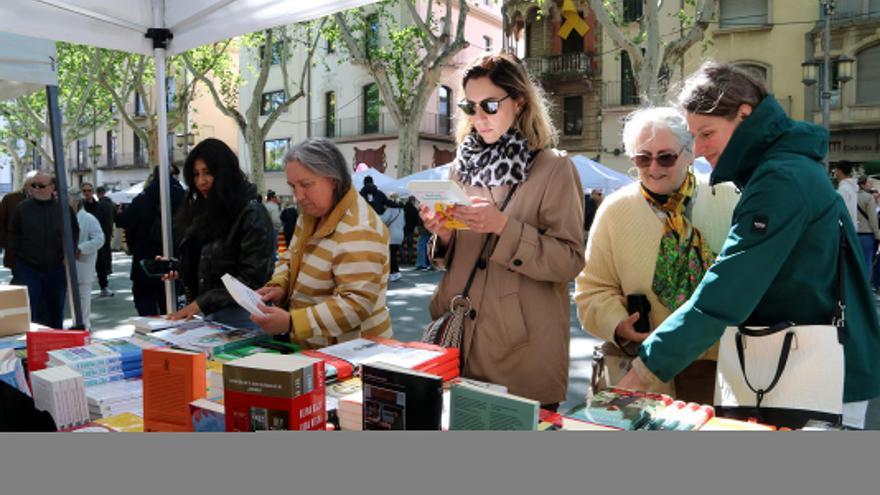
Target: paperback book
172 379
440 196
60 391
397 398
41 341
481 408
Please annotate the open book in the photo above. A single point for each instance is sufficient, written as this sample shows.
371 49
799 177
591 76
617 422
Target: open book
246 297
440 195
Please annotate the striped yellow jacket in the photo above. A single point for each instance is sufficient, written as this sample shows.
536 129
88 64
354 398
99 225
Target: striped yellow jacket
336 277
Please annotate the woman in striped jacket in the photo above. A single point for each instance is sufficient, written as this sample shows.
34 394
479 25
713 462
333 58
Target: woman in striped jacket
333 286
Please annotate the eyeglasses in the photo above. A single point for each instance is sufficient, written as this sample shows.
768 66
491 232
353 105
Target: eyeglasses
490 106
39 186
664 159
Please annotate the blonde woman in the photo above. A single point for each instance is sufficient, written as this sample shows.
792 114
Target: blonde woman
525 234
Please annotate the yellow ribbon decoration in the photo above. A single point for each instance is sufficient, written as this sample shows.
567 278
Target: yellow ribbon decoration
572 20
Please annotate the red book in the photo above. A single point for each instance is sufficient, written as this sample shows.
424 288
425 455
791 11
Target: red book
344 369
274 392
40 342
172 379
445 370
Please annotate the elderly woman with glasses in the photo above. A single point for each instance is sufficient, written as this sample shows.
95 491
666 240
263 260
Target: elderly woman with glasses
524 239
653 240
332 287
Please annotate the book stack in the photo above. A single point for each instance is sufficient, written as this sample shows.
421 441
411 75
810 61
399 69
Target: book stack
108 361
172 379
398 398
274 392
113 398
350 411
729 424
60 391
40 342
207 416
150 324
621 408
480 407
270 346
345 358
336 392
208 337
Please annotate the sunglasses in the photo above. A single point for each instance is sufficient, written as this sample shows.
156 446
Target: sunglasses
39 186
664 159
490 106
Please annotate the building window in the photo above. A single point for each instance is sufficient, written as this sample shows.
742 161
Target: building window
487 43
372 108
835 85
738 13
372 36
444 110
138 104
277 52
632 10
81 147
330 114
868 75
331 46
111 148
628 92
271 101
854 9
138 159
273 154
169 94
573 116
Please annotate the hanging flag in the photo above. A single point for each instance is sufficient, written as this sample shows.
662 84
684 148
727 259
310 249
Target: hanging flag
572 20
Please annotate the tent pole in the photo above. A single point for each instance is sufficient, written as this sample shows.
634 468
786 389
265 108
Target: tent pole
160 37
64 205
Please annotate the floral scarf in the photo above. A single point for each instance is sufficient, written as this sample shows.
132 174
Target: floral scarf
502 163
684 255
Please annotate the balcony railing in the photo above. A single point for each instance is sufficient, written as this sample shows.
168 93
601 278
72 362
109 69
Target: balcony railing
560 66
431 123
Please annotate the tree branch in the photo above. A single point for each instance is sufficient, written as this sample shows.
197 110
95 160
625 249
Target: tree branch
702 17
619 38
227 110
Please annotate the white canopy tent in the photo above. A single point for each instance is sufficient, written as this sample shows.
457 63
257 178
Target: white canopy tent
382 181
594 175
157 27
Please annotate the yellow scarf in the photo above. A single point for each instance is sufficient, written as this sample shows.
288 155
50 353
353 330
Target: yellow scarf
684 255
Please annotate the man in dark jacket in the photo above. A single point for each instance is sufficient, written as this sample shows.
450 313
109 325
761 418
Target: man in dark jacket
35 237
143 234
411 221
377 199
105 256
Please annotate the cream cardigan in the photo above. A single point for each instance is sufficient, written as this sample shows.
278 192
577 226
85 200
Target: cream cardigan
622 252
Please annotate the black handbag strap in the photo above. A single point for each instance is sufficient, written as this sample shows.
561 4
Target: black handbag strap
480 258
780 365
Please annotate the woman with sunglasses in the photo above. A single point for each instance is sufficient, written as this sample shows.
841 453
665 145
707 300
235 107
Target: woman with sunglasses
524 238
780 260
654 238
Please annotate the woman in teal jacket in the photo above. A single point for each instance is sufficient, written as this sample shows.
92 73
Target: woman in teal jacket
779 262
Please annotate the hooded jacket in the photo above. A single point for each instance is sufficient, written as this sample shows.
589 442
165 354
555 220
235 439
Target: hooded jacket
779 261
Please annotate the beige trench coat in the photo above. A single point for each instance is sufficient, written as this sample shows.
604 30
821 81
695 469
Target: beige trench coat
518 333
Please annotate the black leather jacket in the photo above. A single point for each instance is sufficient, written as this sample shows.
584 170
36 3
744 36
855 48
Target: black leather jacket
245 252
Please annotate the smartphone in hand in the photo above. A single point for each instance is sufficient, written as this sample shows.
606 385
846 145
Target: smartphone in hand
156 268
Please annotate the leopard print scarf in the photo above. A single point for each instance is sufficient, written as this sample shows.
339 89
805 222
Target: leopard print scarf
502 163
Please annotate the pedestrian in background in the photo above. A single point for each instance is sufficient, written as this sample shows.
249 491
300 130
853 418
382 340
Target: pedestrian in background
289 217
104 263
273 207
7 208
91 238
394 219
411 222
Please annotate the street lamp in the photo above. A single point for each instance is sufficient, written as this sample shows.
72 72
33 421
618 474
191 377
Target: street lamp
810 71
185 140
844 69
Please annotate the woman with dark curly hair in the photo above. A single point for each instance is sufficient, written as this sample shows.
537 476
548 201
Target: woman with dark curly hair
220 228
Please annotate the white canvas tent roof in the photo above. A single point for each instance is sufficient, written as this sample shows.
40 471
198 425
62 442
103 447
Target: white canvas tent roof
594 175
121 24
26 65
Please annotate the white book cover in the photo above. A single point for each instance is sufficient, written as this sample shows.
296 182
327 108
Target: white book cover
440 196
360 351
246 297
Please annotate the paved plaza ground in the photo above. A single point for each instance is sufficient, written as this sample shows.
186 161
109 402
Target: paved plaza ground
407 300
